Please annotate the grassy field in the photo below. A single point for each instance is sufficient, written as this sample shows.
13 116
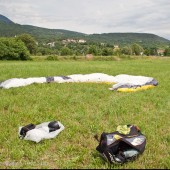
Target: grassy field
84 109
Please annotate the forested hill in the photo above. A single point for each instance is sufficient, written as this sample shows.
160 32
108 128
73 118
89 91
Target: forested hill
9 28
144 39
5 19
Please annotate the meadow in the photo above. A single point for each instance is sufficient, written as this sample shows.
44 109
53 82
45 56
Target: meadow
85 109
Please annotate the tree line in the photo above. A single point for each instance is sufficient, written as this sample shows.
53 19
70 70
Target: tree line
24 46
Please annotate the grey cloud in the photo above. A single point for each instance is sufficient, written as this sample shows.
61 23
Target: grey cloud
92 16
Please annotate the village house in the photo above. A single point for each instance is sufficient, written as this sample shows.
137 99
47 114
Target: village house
116 47
68 41
51 44
161 52
81 41
103 44
73 41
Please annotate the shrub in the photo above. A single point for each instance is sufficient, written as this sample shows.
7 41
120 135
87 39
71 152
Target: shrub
13 49
55 58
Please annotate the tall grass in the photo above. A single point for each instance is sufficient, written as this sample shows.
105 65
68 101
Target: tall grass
85 109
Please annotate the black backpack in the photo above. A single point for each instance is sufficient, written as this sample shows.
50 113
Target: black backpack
117 147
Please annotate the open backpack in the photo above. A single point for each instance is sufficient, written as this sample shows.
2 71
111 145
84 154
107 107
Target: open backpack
123 145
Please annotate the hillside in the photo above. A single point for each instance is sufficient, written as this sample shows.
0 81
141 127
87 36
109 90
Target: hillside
5 19
9 28
144 39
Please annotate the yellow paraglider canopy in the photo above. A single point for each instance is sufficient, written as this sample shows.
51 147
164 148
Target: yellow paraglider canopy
145 87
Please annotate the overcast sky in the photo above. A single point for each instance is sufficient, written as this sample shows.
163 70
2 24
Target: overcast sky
92 16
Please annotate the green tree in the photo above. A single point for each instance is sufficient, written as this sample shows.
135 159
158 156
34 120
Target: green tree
153 51
66 51
167 52
137 49
46 51
117 52
93 50
29 42
107 52
13 49
147 51
127 50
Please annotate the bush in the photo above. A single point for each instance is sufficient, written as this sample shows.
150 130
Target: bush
54 58
13 49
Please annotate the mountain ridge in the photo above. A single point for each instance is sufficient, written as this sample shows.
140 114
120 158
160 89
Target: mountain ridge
5 19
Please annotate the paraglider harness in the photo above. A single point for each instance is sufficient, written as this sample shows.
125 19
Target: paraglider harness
123 145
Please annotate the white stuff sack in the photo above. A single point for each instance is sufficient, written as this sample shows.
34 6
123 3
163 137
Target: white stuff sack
41 132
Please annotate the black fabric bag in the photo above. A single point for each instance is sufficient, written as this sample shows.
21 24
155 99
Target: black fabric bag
117 147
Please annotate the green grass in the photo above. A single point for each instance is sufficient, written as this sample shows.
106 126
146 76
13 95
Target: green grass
85 109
